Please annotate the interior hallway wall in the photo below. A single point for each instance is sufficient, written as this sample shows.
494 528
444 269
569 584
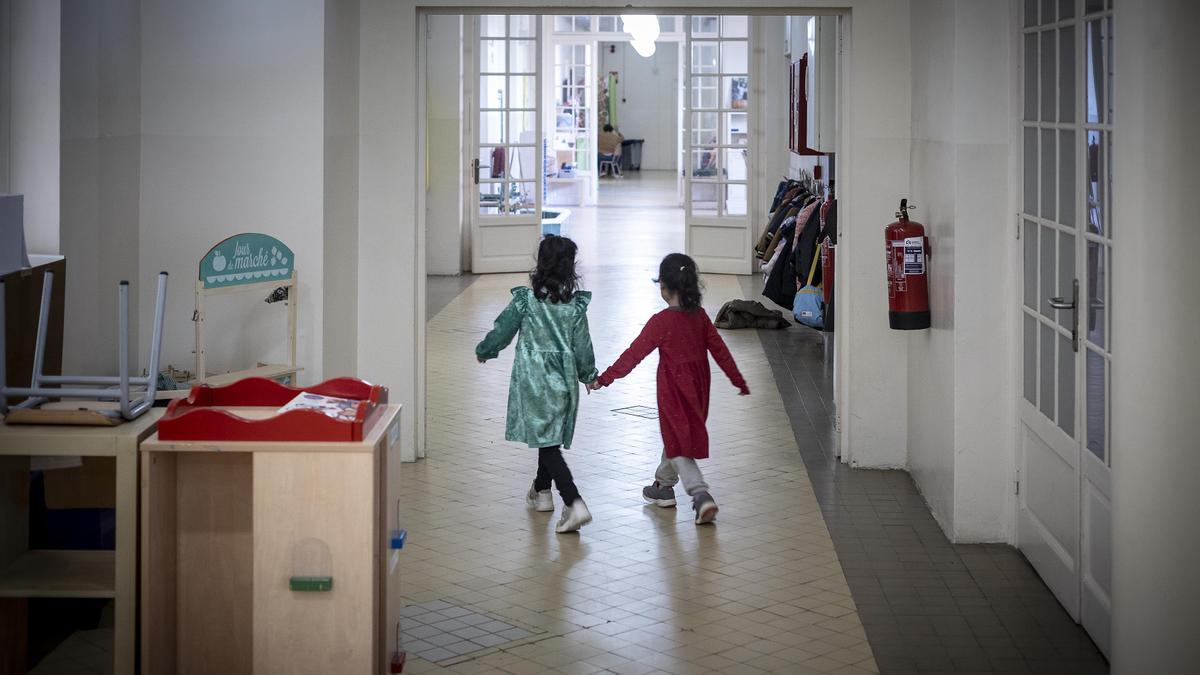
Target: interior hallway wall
339 327
647 99
100 189
32 160
233 141
961 372
876 161
1155 454
444 145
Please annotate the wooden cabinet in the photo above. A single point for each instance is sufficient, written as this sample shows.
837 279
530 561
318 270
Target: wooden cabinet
26 573
230 530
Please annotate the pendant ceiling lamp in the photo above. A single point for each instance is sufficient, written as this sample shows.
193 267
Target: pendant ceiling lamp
643 28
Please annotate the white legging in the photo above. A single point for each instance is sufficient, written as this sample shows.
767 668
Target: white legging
671 471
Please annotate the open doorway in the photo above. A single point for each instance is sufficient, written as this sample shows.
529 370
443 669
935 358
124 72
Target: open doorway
614 132
515 109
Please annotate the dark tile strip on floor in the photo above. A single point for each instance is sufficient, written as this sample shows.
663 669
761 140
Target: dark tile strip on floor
440 290
927 605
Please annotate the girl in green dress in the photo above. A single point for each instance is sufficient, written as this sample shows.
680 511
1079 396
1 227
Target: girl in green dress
554 356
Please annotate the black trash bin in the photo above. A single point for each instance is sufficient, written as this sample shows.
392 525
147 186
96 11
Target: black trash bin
631 154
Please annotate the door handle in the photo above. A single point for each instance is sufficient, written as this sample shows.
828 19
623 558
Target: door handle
475 169
1060 303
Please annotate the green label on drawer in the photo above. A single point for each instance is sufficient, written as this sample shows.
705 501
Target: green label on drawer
311 583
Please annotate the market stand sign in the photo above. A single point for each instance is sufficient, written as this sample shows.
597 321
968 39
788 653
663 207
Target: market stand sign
249 258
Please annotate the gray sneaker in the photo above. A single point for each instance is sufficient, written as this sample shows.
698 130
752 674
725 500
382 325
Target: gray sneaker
705 507
660 495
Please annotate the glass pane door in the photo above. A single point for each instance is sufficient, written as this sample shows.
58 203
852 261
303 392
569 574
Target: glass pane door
718 109
1064 515
505 141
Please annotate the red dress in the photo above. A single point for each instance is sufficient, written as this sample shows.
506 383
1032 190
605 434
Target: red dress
683 340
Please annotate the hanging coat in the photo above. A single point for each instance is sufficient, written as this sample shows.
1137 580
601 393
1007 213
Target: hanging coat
684 339
805 247
554 356
781 283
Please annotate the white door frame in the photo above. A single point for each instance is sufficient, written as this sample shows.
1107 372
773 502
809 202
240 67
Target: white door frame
846 190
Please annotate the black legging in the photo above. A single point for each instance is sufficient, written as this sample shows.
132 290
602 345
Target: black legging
551 465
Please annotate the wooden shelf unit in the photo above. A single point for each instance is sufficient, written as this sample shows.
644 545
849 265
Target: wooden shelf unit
273 371
60 574
227 525
112 574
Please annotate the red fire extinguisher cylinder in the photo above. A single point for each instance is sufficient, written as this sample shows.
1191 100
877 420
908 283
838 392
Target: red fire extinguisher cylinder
907 272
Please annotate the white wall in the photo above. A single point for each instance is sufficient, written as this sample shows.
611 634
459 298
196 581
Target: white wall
647 99
1155 454
961 373
340 317
390 311
443 146
100 174
233 141
34 121
931 358
875 160
772 118
985 296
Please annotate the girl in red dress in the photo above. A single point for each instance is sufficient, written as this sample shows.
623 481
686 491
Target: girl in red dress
684 336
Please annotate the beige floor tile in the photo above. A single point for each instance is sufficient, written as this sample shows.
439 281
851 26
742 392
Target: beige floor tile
641 588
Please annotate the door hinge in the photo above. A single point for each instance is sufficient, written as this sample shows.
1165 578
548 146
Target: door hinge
1018 227
1016 487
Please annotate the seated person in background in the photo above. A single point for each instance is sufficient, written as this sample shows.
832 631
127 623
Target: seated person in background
609 145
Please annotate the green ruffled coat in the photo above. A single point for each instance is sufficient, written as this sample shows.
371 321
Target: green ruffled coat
554 356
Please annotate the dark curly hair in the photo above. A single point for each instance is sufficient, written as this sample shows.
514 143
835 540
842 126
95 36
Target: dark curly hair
677 273
555 278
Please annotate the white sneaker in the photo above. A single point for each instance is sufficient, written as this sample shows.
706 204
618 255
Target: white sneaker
539 500
574 517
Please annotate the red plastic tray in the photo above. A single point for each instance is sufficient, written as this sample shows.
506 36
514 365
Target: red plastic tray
196 418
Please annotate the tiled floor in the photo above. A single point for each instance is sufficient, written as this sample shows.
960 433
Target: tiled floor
807 552
642 589
928 605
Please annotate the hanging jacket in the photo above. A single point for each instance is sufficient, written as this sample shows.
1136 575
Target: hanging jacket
786 231
780 286
793 200
780 190
805 247
774 239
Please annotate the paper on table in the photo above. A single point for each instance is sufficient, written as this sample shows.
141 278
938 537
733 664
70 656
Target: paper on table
343 409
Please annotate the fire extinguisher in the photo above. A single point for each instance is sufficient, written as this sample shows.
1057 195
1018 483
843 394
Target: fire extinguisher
907 272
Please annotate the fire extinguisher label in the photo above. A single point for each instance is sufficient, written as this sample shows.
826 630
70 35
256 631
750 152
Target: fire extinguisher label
914 256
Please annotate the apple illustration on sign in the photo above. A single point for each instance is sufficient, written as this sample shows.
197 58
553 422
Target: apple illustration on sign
218 262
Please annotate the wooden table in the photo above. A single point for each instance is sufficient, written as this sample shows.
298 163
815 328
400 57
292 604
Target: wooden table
227 526
112 574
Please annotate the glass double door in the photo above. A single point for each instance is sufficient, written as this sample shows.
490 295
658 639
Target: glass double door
1064 476
504 123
